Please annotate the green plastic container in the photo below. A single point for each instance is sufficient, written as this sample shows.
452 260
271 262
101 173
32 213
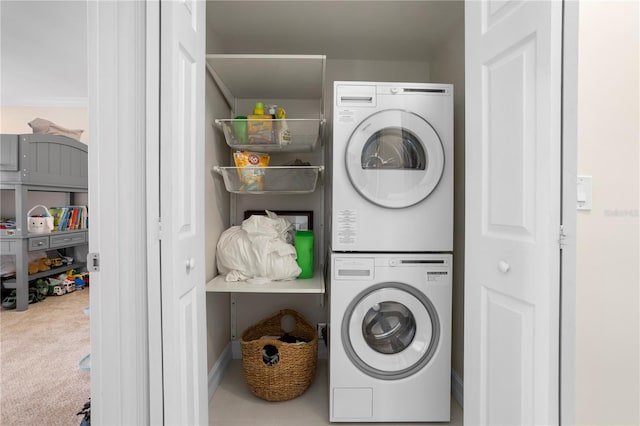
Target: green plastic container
304 250
240 128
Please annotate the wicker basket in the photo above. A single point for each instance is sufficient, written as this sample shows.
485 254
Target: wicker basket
296 367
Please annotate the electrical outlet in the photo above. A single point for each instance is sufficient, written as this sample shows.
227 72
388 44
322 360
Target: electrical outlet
321 326
323 336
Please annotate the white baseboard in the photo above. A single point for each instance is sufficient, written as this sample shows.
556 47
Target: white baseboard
235 349
457 387
215 375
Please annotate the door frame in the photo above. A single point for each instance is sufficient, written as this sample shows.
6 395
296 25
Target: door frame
122 329
569 161
108 53
154 282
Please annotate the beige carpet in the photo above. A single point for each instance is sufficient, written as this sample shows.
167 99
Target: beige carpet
41 382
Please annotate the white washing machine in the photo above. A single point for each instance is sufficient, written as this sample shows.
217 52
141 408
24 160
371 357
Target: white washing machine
390 337
392 167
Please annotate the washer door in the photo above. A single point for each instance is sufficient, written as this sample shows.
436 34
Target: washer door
394 158
390 331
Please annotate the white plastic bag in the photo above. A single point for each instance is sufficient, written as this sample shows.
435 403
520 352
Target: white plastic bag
271 226
257 250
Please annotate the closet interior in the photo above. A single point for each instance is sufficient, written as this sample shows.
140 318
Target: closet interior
289 54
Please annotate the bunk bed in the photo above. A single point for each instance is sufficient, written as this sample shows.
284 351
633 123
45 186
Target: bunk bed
46 163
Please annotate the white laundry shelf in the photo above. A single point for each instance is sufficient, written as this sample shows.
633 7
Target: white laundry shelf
313 285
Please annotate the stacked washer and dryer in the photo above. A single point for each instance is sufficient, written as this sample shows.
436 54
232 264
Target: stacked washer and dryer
391 243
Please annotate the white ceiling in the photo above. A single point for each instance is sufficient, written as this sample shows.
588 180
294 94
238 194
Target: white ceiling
43 44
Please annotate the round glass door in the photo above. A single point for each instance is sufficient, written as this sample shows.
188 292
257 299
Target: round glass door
393 149
394 158
388 327
390 331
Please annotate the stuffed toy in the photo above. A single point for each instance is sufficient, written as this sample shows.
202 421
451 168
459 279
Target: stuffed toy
40 265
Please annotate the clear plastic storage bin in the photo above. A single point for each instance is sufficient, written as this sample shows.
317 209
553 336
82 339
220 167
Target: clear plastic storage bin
272 135
273 179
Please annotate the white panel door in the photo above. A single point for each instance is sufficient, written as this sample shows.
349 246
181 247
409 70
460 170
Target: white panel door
513 146
182 29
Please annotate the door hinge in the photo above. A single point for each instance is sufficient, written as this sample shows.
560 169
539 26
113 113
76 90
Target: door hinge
159 228
93 262
562 238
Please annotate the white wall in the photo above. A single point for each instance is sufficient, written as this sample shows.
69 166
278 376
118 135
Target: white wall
15 119
217 220
43 46
216 202
608 254
43 65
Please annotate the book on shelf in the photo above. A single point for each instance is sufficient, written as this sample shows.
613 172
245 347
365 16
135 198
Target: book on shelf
56 212
70 218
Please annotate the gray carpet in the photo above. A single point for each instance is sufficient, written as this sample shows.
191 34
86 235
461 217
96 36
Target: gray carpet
41 382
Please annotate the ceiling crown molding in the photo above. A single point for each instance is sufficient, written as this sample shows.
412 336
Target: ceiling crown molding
64 102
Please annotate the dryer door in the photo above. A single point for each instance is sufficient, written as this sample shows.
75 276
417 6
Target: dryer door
390 331
394 158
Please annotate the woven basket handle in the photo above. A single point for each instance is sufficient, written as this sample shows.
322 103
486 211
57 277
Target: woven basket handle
35 207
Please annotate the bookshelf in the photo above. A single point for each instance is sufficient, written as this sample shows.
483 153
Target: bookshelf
33 163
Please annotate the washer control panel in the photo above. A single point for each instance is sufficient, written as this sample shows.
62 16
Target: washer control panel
361 268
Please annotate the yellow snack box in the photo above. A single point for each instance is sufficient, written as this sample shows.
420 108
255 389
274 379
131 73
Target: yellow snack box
260 129
251 169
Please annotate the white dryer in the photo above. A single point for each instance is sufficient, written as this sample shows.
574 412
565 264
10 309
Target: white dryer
392 167
389 337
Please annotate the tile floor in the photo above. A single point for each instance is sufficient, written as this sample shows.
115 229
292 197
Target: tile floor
233 404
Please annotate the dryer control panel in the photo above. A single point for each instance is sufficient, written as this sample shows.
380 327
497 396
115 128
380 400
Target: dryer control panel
356 95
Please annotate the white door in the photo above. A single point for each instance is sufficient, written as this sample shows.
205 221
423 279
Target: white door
182 29
513 146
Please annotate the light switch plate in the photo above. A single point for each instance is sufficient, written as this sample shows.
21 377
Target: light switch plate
584 196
